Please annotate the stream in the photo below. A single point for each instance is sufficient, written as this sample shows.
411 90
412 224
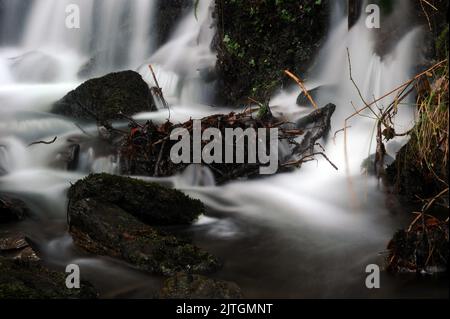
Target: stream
304 234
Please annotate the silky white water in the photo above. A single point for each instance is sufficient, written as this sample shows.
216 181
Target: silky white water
322 239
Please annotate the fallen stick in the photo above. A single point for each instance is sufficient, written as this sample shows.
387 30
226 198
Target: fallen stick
44 142
302 86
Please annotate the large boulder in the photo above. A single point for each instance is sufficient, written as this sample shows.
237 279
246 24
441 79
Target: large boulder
151 203
103 99
24 279
106 229
187 286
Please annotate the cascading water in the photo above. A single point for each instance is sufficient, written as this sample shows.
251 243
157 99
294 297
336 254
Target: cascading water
297 230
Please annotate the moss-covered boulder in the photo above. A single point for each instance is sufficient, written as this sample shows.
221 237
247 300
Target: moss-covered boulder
106 229
186 286
258 39
151 203
24 279
102 99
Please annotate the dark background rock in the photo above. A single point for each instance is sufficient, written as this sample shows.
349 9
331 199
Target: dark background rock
186 286
324 90
102 99
151 203
12 209
105 229
270 36
412 177
169 13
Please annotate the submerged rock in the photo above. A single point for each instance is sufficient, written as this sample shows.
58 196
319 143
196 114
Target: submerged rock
324 90
186 286
104 228
423 247
151 203
45 68
368 165
102 99
12 209
24 279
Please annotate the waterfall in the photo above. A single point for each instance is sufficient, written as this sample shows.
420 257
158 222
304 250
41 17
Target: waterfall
374 75
309 210
183 62
113 35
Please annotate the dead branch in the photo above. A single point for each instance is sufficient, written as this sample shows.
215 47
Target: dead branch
158 90
302 86
44 142
146 150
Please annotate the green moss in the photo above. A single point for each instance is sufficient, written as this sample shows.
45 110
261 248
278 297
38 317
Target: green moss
185 286
102 99
442 44
106 229
270 36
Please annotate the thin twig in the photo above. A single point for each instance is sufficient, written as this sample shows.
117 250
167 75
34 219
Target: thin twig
44 142
302 86
159 90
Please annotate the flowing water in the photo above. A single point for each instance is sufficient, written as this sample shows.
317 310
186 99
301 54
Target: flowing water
304 234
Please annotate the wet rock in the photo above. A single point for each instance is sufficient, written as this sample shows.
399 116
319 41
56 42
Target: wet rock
151 203
16 246
368 165
102 99
74 153
12 209
208 74
317 125
169 13
423 247
12 242
328 90
106 229
412 176
266 40
24 279
186 286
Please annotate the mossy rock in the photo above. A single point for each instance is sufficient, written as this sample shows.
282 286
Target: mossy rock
151 203
413 177
106 229
102 99
257 40
21 279
186 286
